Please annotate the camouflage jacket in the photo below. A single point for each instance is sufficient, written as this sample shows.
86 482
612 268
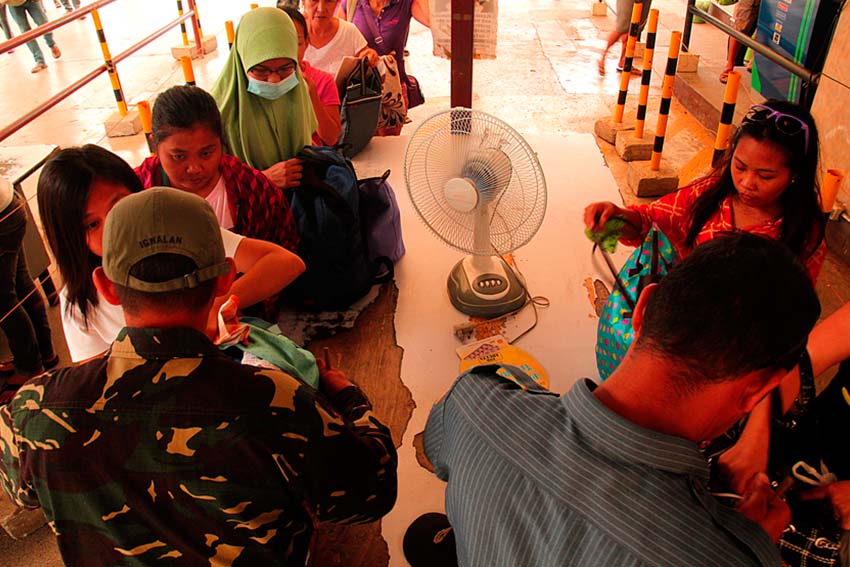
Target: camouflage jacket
166 452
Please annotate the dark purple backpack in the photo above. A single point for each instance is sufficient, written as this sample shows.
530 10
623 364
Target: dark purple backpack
380 218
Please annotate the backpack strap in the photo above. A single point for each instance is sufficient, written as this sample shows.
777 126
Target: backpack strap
387 273
618 282
380 47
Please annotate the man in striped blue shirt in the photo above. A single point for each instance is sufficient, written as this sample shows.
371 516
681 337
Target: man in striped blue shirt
612 474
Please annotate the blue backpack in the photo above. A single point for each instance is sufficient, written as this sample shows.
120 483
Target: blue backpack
647 264
326 207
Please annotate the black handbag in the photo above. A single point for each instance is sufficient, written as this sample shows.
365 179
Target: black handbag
814 430
360 108
414 91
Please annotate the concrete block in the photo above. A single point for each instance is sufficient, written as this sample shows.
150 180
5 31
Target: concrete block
19 522
647 183
209 43
631 148
688 63
118 126
598 8
607 129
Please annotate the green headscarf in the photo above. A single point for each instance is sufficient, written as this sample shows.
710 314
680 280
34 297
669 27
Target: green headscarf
258 131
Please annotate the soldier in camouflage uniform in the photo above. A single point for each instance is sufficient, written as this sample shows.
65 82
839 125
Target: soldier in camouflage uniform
167 452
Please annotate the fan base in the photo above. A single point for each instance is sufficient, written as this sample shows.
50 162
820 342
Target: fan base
482 287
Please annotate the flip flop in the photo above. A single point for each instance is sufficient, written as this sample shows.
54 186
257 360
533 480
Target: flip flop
602 68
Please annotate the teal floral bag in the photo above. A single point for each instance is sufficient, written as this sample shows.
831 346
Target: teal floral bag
647 265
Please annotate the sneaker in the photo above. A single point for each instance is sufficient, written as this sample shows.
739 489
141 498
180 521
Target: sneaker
55 51
38 67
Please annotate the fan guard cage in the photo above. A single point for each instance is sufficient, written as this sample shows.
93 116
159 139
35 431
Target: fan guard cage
439 150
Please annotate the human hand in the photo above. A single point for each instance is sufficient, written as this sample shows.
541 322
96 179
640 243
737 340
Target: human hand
760 504
285 174
212 319
371 56
839 495
331 380
597 214
739 464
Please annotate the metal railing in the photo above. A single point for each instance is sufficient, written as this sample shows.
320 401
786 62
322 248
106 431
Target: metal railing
107 67
809 78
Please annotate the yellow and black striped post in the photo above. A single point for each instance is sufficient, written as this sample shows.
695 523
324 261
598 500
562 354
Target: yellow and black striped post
730 98
183 23
144 109
228 26
646 75
627 64
198 20
110 66
188 72
666 95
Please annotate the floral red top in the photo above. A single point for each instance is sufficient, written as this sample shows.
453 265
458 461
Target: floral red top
259 208
671 214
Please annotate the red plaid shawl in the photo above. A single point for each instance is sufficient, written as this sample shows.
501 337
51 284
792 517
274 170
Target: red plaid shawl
259 208
671 214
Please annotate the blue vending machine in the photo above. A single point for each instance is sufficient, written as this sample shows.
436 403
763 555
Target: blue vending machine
801 30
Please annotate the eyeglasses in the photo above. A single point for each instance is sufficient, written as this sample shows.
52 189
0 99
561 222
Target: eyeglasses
784 123
262 73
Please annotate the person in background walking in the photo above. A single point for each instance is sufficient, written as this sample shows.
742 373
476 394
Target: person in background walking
36 11
4 23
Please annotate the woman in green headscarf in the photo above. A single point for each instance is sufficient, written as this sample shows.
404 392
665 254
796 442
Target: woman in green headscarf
265 105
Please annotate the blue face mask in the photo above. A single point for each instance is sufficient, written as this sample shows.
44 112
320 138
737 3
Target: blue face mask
272 91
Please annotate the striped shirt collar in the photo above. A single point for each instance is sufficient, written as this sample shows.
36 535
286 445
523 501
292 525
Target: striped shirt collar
608 433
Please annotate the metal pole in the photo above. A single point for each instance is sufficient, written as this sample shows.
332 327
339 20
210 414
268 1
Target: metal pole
51 25
620 108
231 35
110 66
196 28
666 96
86 79
730 97
646 76
182 24
689 24
144 108
188 72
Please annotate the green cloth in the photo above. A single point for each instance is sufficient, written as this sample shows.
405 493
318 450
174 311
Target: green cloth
266 342
263 132
609 236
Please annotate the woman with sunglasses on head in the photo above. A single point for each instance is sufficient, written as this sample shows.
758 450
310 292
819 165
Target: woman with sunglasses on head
265 104
76 190
767 183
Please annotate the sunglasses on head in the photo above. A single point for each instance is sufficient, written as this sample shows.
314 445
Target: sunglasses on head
784 123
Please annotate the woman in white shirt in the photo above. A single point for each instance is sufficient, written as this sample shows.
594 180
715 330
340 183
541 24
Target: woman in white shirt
76 190
332 38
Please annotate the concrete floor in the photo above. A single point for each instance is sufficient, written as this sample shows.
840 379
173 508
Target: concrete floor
544 83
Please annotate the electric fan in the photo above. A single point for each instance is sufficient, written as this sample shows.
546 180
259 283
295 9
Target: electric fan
479 187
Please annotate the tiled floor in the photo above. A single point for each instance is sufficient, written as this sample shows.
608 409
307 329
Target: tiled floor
544 83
